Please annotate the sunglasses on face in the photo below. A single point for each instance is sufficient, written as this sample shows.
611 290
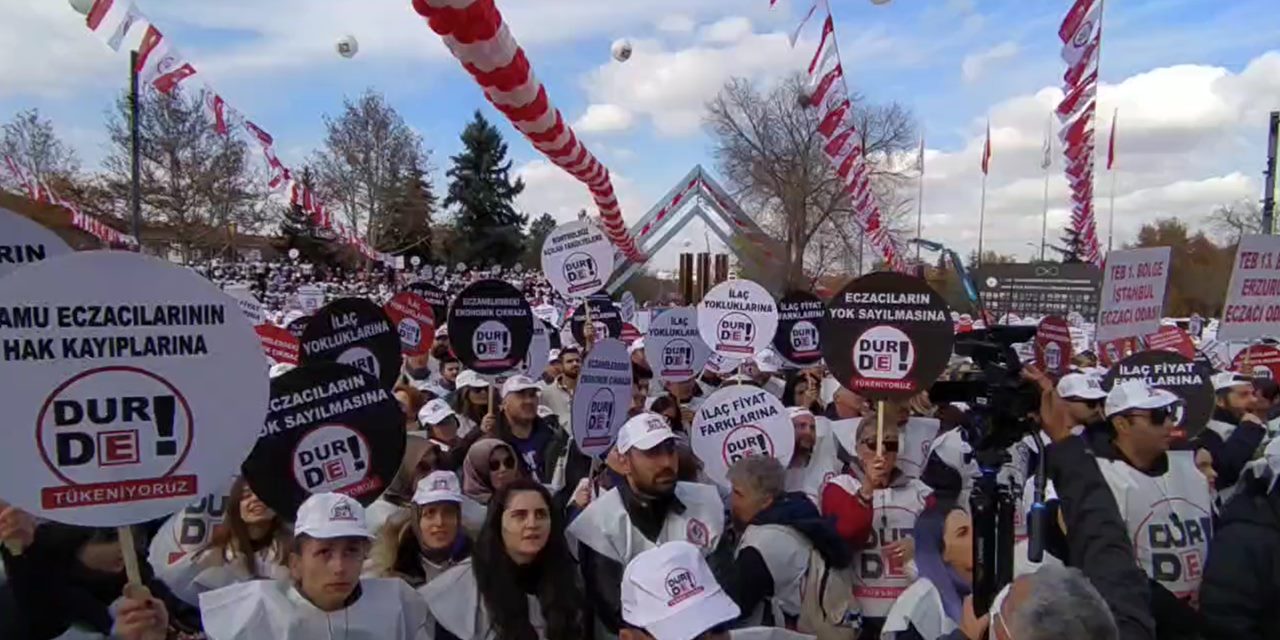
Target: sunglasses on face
504 462
1157 416
890 446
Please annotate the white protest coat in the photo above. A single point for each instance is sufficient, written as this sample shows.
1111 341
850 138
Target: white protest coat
824 465
455 603
387 610
1169 519
920 606
196 573
786 556
767 633
606 527
876 581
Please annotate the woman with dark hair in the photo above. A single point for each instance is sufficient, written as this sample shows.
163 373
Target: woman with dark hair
933 606
802 390
522 584
668 407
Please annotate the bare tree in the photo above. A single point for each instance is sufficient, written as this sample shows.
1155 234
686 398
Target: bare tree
202 185
1236 219
360 168
767 145
31 141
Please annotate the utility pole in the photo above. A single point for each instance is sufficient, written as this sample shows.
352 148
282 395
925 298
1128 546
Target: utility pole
135 150
1269 184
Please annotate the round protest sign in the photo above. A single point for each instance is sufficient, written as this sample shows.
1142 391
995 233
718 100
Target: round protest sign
740 421
310 298
122 402
331 428
1172 339
414 321
294 253
887 336
629 333
189 530
674 348
800 316
490 326
279 344
538 356
1113 351
356 332
1259 361
627 305
1052 345
298 326
249 304
577 259
1177 374
602 397
604 317
737 318
438 299
25 242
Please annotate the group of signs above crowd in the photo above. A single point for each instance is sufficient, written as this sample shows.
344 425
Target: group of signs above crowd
110 382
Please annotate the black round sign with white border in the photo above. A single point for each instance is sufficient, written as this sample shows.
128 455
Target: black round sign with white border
673 346
122 403
738 318
490 327
604 315
577 258
356 332
740 421
331 428
602 397
298 326
24 241
887 336
437 298
1176 373
799 336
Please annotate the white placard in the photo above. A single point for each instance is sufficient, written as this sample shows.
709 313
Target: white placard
1133 293
310 298
627 306
539 354
674 348
1252 308
253 310
577 259
294 253
123 402
547 312
739 421
738 318
23 241
602 397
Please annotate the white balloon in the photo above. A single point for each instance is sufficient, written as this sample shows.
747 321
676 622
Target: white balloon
348 46
82 7
621 50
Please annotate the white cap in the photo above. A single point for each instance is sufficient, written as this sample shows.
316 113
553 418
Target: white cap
544 411
670 593
767 362
1228 379
553 355
1137 394
644 432
331 515
280 368
796 412
471 379
434 412
442 331
635 346
516 384
439 486
1080 386
290 317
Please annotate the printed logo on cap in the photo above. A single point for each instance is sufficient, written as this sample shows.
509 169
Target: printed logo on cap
342 512
279 345
435 297
681 585
1052 345
490 327
602 397
1258 361
737 318
740 421
331 429
355 332
798 339
605 317
26 242
577 258
112 417
1177 374
674 348
414 321
887 336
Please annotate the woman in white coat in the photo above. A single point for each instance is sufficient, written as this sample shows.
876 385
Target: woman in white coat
933 606
522 583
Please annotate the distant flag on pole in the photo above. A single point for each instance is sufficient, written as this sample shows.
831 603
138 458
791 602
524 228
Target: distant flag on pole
795 35
920 157
1048 152
1111 146
986 152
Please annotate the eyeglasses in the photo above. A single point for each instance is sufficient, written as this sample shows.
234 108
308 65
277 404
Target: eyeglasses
1158 416
505 462
890 446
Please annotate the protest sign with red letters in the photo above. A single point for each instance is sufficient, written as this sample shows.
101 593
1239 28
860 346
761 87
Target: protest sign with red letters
439 300
1133 289
414 321
189 530
739 421
1052 345
577 259
490 327
356 332
602 397
674 348
1173 339
737 319
122 402
24 241
1252 308
279 344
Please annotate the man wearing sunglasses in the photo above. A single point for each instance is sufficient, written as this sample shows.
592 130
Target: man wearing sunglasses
1083 395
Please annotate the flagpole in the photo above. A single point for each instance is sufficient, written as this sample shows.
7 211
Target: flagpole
982 217
920 202
1045 164
135 151
1111 216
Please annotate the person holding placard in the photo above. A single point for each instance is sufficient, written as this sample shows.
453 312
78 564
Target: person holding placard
649 508
1234 433
430 539
326 593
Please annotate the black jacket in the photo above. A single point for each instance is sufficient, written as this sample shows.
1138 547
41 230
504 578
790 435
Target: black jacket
1231 455
1240 593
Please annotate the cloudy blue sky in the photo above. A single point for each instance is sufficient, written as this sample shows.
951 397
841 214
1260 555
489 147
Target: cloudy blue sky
1193 80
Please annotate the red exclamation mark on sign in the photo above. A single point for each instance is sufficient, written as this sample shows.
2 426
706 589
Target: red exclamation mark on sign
162 408
356 452
904 350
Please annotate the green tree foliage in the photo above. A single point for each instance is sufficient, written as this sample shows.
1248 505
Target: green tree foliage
489 229
1200 269
539 229
406 227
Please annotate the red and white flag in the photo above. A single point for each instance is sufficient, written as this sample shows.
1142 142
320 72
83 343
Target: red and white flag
20 175
819 96
828 30
1082 16
986 152
160 64
216 107
1087 61
1079 96
1111 144
795 35
261 136
832 120
1073 135
112 20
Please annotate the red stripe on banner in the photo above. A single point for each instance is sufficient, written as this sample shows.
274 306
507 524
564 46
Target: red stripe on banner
833 119
820 95
528 112
97 13
150 40
505 78
1074 18
828 28
553 132
479 21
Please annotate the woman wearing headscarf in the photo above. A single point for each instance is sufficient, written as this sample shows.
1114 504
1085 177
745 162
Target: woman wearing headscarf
491 464
522 583
933 606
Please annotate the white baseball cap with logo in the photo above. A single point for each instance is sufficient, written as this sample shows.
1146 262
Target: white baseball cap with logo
324 516
434 412
1137 394
438 486
1081 386
670 593
517 384
471 379
644 432
1224 380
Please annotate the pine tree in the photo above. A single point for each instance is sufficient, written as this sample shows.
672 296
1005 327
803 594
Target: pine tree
406 227
489 229
539 229
1072 245
300 232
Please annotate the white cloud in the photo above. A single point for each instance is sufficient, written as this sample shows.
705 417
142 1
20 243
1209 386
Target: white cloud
676 23
727 31
604 118
547 188
975 64
46 50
